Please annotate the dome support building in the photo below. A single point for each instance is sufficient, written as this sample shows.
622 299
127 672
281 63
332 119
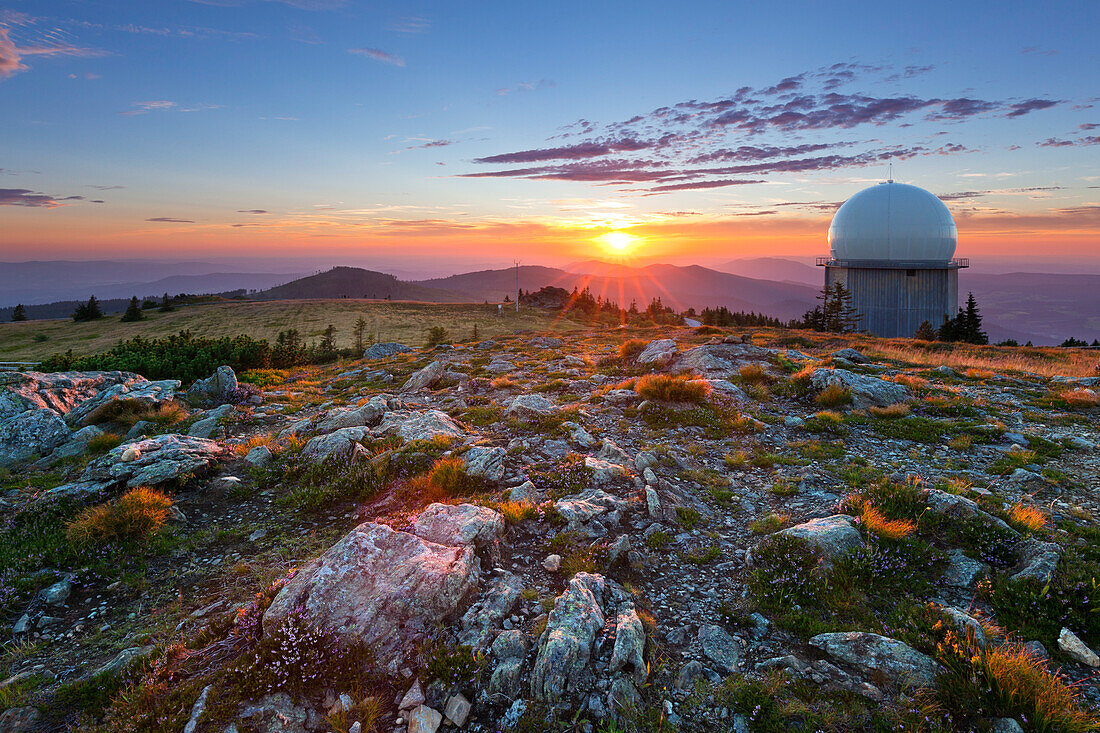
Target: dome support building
892 246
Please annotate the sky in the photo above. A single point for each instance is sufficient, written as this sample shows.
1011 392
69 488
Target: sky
444 134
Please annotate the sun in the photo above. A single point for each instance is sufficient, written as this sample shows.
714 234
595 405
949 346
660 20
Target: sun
618 242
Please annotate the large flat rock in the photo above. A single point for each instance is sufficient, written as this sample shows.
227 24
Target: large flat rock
382 587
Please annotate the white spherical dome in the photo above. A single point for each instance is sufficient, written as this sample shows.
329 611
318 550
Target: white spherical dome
893 221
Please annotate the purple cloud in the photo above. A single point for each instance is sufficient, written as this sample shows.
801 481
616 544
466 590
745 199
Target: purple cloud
1019 109
570 152
378 55
700 185
1051 142
171 220
26 197
251 211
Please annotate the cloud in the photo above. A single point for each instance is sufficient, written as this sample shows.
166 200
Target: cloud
413 24
300 4
251 211
701 185
11 56
527 86
1052 142
432 144
378 55
1019 109
171 220
103 188
26 197
141 108
682 143
571 152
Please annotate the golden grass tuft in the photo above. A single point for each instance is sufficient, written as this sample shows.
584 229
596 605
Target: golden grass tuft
890 412
630 350
669 388
504 382
915 383
801 378
133 516
264 439
980 374
887 529
130 410
961 442
831 416
754 374
1081 398
1027 518
104 442
515 512
834 396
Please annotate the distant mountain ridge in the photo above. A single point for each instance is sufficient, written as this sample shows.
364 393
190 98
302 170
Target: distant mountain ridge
1043 308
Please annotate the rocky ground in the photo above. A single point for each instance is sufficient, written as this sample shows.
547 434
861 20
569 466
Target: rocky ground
694 531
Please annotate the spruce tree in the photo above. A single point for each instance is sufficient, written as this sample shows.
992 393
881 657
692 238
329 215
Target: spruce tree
133 311
359 331
19 313
925 332
88 311
972 323
165 304
327 347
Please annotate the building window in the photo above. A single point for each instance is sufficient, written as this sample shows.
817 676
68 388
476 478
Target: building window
911 273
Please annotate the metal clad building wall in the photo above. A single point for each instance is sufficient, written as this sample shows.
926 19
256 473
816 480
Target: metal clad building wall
892 303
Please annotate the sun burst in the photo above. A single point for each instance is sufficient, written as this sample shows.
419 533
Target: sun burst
618 242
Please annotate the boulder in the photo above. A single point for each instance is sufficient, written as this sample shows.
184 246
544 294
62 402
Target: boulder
275 713
208 425
874 654
461 525
527 407
352 417
77 444
386 350
829 537
64 392
1038 561
214 389
385 588
148 462
566 645
124 658
720 648
628 654
1076 649
485 462
425 425
337 444
621 397
962 571
20 720
457 710
851 355
501 595
31 433
590 503
425 720
659 353
259 456
604 473
952 505
866 390
546 342
425 378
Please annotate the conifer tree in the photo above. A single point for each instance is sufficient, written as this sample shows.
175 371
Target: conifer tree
972 323
359 331
133 312
165 305
19 313
925 332
88 311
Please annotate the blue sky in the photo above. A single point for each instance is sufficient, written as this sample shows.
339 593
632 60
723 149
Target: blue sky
368 125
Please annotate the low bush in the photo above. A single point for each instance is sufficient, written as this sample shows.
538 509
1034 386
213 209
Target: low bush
104 442
1081 398
898 409
133 516
754 374
130 410
834 396
669 388
630 350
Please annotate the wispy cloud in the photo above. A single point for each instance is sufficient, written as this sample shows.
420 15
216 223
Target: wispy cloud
527 86
171 220
26 197
163 105
378 55
11 56
300 4
251 211
412 24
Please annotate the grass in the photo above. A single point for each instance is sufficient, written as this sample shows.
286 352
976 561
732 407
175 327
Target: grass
670 388
1027 518
130 410
873 521
754 374
834 396
890 412
1080 398
630 350
403 321
104 442
769 523
133 516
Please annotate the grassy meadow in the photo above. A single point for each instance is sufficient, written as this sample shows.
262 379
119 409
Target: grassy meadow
403 321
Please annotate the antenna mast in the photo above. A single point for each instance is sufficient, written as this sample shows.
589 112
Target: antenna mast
517 284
